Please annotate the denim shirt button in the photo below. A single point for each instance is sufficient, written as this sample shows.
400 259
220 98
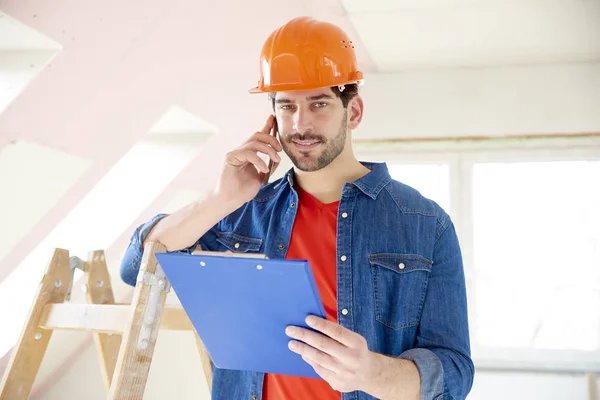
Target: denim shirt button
343 258
345 311
281 247
344 215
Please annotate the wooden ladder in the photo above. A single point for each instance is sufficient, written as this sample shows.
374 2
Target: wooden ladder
124 334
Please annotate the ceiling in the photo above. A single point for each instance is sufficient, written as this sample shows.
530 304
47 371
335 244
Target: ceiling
18 36
414 35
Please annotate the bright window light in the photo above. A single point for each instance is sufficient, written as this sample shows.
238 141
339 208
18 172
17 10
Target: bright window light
29 193
18 36
537 254
17 70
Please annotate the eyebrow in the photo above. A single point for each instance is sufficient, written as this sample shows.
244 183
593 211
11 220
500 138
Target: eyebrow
309 98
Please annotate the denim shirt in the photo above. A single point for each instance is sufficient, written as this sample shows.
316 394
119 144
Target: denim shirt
400 278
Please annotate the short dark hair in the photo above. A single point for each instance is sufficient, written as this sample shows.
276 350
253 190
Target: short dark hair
346 95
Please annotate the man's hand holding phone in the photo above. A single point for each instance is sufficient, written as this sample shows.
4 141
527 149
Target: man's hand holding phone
244 171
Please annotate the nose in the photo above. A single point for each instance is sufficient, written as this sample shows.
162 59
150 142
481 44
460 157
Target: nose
303 121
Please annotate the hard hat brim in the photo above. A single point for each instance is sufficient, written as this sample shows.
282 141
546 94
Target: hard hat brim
296 87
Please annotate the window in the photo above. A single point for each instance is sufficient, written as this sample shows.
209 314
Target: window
536 230
528 219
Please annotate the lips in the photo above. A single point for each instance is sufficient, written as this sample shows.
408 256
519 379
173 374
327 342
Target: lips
306 144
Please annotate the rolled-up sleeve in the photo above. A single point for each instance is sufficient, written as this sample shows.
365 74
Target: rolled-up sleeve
442 352
430 369
130 263
132 259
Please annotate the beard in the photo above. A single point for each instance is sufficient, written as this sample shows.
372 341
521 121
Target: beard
330 149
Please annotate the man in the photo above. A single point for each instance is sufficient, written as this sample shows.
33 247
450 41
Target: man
386 260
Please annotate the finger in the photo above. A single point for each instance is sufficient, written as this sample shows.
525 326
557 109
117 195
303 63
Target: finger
335 331
265 130
243 156
314 356
268 124
263 176
269 139
334 380
274 168
264 138
329 376
263 148
319 341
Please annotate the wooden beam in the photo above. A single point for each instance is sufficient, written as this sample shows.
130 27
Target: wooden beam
31 346
105 318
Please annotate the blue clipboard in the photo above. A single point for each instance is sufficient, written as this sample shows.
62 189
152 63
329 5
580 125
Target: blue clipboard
240 307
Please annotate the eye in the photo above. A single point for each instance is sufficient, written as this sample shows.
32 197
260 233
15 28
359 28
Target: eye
287 107
320 104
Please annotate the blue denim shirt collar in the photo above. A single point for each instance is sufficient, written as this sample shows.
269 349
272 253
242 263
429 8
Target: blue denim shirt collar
370 184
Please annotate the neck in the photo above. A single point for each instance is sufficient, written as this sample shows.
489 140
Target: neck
327 183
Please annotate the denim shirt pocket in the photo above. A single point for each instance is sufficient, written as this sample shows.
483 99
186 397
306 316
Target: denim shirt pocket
239 243
399 285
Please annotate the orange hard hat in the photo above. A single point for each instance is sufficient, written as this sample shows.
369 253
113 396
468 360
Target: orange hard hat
306 54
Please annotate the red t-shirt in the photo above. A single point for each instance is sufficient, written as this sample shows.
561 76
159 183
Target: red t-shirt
313 239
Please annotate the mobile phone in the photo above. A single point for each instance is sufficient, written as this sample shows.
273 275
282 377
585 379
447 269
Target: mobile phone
274 132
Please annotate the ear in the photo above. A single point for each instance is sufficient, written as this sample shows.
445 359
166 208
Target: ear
355 111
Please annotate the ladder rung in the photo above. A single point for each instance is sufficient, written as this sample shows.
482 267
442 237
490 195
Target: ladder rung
105 318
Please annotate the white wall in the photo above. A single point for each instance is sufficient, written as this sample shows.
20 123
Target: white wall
82 380
476 102
175 372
